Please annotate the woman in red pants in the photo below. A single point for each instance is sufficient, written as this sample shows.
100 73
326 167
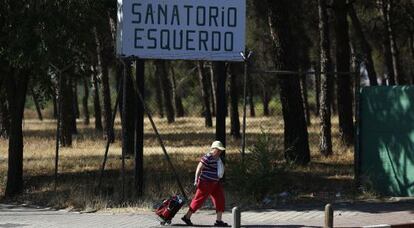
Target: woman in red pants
207 179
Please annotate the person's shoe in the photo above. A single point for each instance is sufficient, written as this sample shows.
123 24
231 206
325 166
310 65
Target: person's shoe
221 224
187 221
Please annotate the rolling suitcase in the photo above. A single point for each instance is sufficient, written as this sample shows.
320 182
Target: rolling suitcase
169 207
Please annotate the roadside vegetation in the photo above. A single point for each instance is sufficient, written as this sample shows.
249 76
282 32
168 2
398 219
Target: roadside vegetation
265 179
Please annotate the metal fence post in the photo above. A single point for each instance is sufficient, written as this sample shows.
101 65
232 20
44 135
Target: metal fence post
246 58
236 217
328 216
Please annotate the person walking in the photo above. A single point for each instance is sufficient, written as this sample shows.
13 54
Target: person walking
209 171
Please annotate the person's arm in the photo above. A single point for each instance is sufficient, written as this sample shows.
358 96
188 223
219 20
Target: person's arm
200 167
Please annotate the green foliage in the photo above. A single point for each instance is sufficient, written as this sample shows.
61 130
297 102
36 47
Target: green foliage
257 175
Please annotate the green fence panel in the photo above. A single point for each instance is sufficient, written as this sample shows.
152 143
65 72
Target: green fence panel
386 139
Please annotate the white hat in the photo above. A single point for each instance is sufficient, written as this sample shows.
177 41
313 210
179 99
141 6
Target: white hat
218 145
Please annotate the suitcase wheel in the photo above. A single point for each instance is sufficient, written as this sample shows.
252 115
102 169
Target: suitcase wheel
168 222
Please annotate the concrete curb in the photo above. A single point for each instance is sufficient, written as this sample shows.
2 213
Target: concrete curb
405 225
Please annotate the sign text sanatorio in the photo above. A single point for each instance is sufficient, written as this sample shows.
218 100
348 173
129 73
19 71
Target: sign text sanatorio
183 27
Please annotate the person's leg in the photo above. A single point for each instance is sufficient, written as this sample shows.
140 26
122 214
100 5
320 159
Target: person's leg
219 216
217 196
188 214
203 191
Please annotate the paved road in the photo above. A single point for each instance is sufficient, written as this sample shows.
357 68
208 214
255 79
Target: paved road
345 215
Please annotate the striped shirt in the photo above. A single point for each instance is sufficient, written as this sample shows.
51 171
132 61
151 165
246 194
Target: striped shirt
209 172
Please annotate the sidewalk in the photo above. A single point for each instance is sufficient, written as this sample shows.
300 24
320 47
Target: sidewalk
345 215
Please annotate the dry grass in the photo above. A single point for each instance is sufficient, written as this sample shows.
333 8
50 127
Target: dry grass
186 140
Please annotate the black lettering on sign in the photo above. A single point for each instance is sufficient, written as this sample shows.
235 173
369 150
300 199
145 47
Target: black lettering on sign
232 17
137 38
213 13
135 11
188 8
222 16
202 39
162 27
178 45
201 12
215 41
189 40
153 39
228 41
149 14
175 16
162 14
165 39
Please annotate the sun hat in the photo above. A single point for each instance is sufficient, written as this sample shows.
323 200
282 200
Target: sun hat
218 145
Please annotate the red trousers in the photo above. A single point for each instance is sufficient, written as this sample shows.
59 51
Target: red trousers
205 189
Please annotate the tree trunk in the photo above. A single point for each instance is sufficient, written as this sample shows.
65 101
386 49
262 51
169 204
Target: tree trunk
326 80
37 106
355 67
119 88
128 112
333 94
388 62
75 99
85 100
75 106
317 88
53 91
66 113
250 97
166 89
366 47
392 78
295 131
343 61
266 99
234 108
55 111
396 67
96 103
4 107
106 94
16 88
158 93
177 96
204 93
104 53
213 92
4 115
221 102
411 47
304 93
139 129
411 44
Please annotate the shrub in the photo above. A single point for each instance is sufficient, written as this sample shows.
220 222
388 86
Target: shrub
257 175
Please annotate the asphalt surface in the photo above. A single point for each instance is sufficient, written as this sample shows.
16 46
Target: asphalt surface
345 215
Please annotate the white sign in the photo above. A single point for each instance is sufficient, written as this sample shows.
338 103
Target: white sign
182 29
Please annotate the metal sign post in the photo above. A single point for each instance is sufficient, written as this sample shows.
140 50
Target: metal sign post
246 58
